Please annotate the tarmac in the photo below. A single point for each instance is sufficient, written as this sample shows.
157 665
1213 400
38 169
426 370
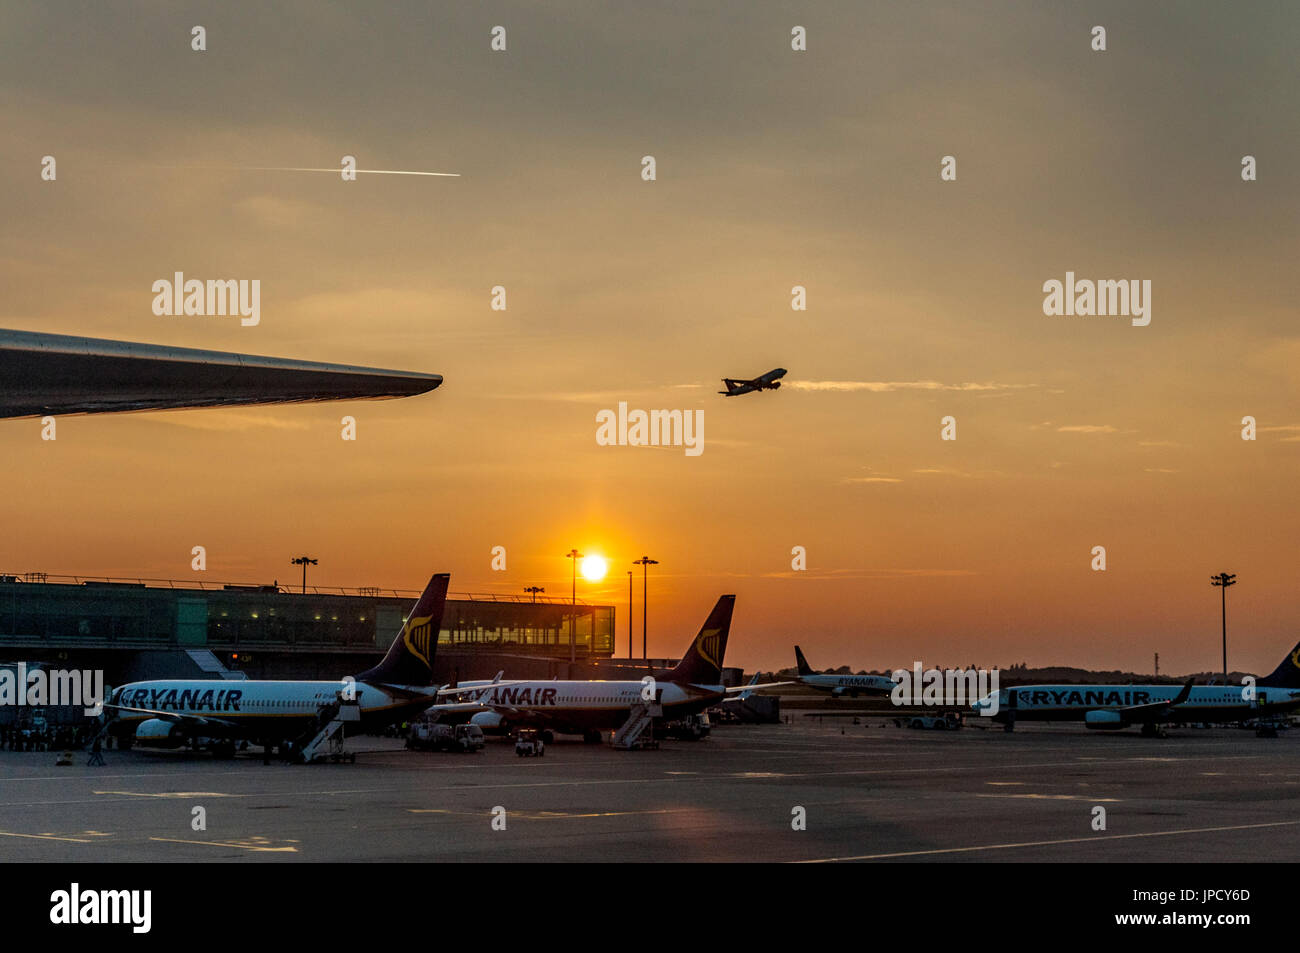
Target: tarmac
867 793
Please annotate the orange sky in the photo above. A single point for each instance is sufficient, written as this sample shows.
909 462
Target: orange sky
774 169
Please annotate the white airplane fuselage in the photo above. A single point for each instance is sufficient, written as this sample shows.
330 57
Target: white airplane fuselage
849 684
583 706
1205 703
258 709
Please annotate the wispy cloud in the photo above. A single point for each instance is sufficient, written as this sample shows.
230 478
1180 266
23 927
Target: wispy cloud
867 573
1087 428
202 419
886 387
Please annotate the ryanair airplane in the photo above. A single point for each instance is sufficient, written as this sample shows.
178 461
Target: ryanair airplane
589 708
1114 707
172 713
839 685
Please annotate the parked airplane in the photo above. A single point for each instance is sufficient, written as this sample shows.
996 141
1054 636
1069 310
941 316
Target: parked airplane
589 708
171 713
1113 707
768 381
838 685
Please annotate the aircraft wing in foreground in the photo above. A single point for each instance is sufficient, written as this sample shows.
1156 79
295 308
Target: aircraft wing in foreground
61 374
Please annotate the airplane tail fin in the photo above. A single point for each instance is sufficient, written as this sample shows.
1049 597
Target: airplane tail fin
801 662
1286 675
702 664
409 660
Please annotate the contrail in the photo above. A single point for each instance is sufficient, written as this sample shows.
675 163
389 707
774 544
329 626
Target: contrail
339 169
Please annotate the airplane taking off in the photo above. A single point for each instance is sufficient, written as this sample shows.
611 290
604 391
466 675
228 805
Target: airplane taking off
768 381
1114 707
172 713
589 708
839 685
59 374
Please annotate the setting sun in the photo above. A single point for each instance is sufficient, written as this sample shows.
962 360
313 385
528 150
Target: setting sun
593 568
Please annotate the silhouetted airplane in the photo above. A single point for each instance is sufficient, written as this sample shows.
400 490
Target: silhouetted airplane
767 381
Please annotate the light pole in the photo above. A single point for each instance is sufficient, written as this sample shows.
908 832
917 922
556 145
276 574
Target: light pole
534 590
645 562
304 562
575 556
629 613
1223 580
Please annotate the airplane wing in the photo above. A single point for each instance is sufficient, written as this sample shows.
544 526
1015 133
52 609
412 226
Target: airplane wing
60 374
736 386
1154 711
180 717
751 687
459 706
465 689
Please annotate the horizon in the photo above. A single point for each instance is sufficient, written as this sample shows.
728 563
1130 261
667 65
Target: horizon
775 170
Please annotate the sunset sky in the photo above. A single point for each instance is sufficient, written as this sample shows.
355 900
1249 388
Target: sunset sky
775 168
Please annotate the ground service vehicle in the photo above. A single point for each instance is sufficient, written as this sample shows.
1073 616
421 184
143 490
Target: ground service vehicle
431 736
528 743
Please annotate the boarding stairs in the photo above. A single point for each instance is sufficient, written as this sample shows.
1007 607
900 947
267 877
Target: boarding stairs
209 664
633 733
326 740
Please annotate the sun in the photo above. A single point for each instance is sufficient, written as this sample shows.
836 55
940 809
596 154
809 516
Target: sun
593 568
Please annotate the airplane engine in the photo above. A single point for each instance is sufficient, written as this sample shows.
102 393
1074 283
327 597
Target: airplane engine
490 721
1105 720
158 733
776 385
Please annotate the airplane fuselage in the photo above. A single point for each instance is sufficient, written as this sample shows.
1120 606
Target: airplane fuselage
583 706
260 709
1205 703
849 684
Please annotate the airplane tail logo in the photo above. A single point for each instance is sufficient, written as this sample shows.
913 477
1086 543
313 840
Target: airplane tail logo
409 660
1287 674
702 664
417 639
801 663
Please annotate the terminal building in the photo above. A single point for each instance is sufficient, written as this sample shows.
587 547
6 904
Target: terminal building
141 629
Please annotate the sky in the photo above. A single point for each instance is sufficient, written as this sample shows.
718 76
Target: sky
774 168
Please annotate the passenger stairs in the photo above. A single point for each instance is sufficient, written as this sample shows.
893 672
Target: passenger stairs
209 664
328 736
638 730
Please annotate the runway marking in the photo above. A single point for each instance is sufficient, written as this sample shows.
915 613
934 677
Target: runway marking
1049 843
245 846
1054 797
186 794
74 840
547 815
1007 783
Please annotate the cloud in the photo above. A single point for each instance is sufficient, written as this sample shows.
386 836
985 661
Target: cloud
871 480
1087 428
868 573
887 387
205 419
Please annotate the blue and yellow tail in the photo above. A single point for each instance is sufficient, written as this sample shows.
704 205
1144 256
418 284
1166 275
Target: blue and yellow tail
702 664
1286 675
410 658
